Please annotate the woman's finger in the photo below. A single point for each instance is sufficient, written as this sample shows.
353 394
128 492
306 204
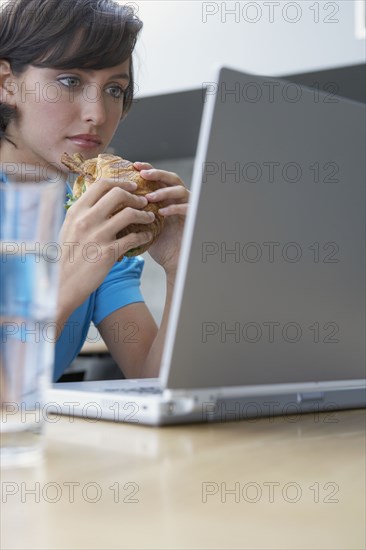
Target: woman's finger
130 241
142 165
126 217
97 190
169 178
168 193
114 199
174 209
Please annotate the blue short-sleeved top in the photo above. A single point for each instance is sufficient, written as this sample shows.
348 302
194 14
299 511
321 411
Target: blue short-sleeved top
120 288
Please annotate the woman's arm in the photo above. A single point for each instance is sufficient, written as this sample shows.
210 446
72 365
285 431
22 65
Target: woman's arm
88 223
142 359
134 340
130 332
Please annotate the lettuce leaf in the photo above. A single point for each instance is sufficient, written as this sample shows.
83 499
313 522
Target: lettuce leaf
71 199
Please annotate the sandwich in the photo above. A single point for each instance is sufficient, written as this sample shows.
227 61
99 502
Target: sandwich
111 166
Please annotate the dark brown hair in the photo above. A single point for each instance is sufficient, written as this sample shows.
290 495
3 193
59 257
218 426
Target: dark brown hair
66 34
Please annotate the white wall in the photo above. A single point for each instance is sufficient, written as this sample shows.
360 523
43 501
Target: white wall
183 40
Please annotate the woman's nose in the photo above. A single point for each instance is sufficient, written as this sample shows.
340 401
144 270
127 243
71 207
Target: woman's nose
93 105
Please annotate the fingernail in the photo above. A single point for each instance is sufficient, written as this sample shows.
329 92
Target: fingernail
151 195
133 185
151 214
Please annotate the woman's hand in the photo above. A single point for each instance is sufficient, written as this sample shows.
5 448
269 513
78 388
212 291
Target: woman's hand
88 239
175 196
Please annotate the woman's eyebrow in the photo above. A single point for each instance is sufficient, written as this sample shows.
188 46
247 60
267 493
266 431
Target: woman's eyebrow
125 76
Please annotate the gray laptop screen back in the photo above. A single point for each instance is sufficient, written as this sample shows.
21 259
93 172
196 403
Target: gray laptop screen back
275 283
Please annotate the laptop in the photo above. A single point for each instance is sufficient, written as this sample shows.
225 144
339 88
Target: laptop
268 312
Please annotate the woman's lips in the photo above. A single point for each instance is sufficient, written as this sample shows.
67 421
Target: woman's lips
86 142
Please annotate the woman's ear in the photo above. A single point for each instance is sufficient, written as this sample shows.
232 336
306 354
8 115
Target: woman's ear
8 85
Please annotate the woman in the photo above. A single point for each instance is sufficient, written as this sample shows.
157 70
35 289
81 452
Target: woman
66 71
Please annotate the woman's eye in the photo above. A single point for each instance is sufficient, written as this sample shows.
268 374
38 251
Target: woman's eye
117 91
72 81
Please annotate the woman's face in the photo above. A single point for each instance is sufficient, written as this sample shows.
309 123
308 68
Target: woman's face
55 105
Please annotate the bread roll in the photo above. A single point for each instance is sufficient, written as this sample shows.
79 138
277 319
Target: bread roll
111 166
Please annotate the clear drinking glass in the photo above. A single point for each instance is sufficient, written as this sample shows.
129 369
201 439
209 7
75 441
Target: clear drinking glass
31 215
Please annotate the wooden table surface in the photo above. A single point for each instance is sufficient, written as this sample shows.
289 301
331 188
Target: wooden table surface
281 483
